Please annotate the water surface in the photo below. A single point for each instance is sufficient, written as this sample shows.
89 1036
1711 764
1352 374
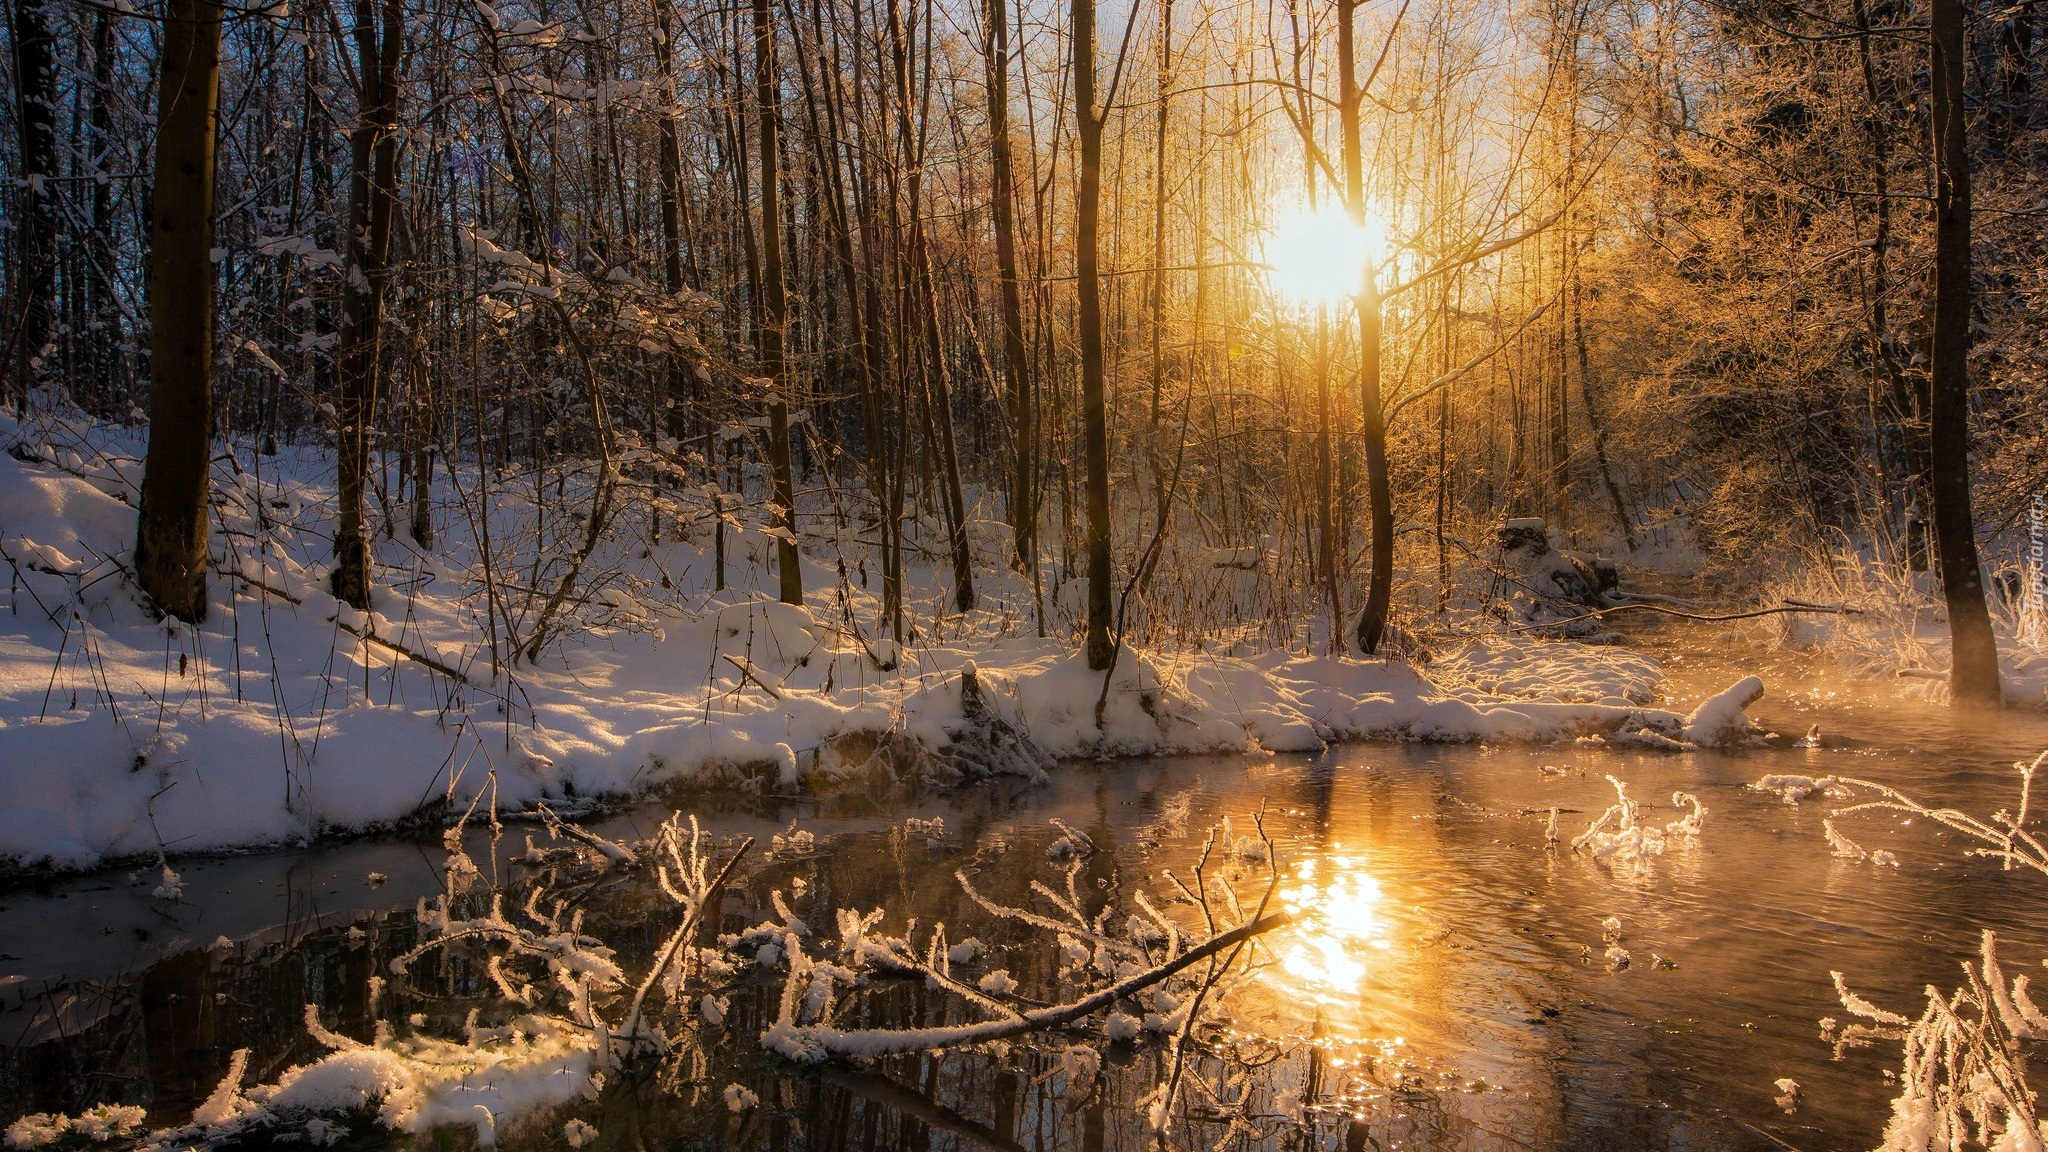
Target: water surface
1463 987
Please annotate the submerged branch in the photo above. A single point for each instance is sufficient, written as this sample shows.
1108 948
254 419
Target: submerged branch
821 1041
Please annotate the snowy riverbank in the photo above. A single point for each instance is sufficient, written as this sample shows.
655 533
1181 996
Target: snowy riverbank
287 715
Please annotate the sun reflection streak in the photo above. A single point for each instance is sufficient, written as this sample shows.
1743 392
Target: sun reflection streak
1336 905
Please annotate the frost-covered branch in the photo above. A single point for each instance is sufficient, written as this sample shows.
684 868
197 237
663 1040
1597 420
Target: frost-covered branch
1620 835
1963 1077
684 871
1963 1071
2004 834
812 1043
1136 948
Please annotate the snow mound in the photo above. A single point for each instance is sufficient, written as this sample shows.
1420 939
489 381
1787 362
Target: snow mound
1563 670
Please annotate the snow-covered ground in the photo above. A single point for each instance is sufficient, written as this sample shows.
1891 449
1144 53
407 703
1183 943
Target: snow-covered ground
287 715
1899 629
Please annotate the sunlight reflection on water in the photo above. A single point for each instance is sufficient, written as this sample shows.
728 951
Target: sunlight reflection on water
1327 956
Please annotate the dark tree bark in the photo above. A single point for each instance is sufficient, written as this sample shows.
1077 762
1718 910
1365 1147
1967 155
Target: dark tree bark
35 267
1094 408
670 164
2013 106
1162 474
938 402
1016 362
775 304
373 205
1601 457
1326 488
424 428
103 256
1379 585
1973 663
1897 402
170 536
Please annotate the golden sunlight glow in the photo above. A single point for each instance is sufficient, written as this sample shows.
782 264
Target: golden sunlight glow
1320 257
1337 927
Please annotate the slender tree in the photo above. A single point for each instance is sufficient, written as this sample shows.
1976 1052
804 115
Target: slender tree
1089 120
1016 361
1973 662
171 528
1379 488
775 303
35 268
373 206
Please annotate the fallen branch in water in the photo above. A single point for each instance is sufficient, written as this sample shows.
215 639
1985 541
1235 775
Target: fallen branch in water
816 1042
2004 835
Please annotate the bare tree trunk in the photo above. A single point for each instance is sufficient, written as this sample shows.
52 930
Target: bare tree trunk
2013 106
35 263
670 165
104 258
1087 266
1896 404
938 405
373 206
1379 586
170 536
775 305
425 435
1973 663
1016 363
1326 485
1593 420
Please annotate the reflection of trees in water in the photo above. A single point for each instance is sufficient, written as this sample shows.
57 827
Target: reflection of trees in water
167 1035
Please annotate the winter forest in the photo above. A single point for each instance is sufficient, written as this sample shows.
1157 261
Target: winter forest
857 574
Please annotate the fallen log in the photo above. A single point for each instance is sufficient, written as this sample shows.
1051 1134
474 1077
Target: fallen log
367 635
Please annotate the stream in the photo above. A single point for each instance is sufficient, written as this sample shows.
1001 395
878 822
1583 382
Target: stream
1470 996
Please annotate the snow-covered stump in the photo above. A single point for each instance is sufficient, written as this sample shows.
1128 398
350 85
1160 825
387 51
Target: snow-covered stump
986 743
1554 589
1720 718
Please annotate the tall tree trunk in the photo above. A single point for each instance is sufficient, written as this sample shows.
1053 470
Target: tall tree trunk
1087 267
1593 418
35 221
1016 363
938 404
670 164
1896 402
103 257
2013 106
170 536
1379 586
424 430
1162 482
1326 488
775 305
1973 663
373 206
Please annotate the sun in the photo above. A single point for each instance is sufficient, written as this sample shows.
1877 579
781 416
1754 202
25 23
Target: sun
1320 256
